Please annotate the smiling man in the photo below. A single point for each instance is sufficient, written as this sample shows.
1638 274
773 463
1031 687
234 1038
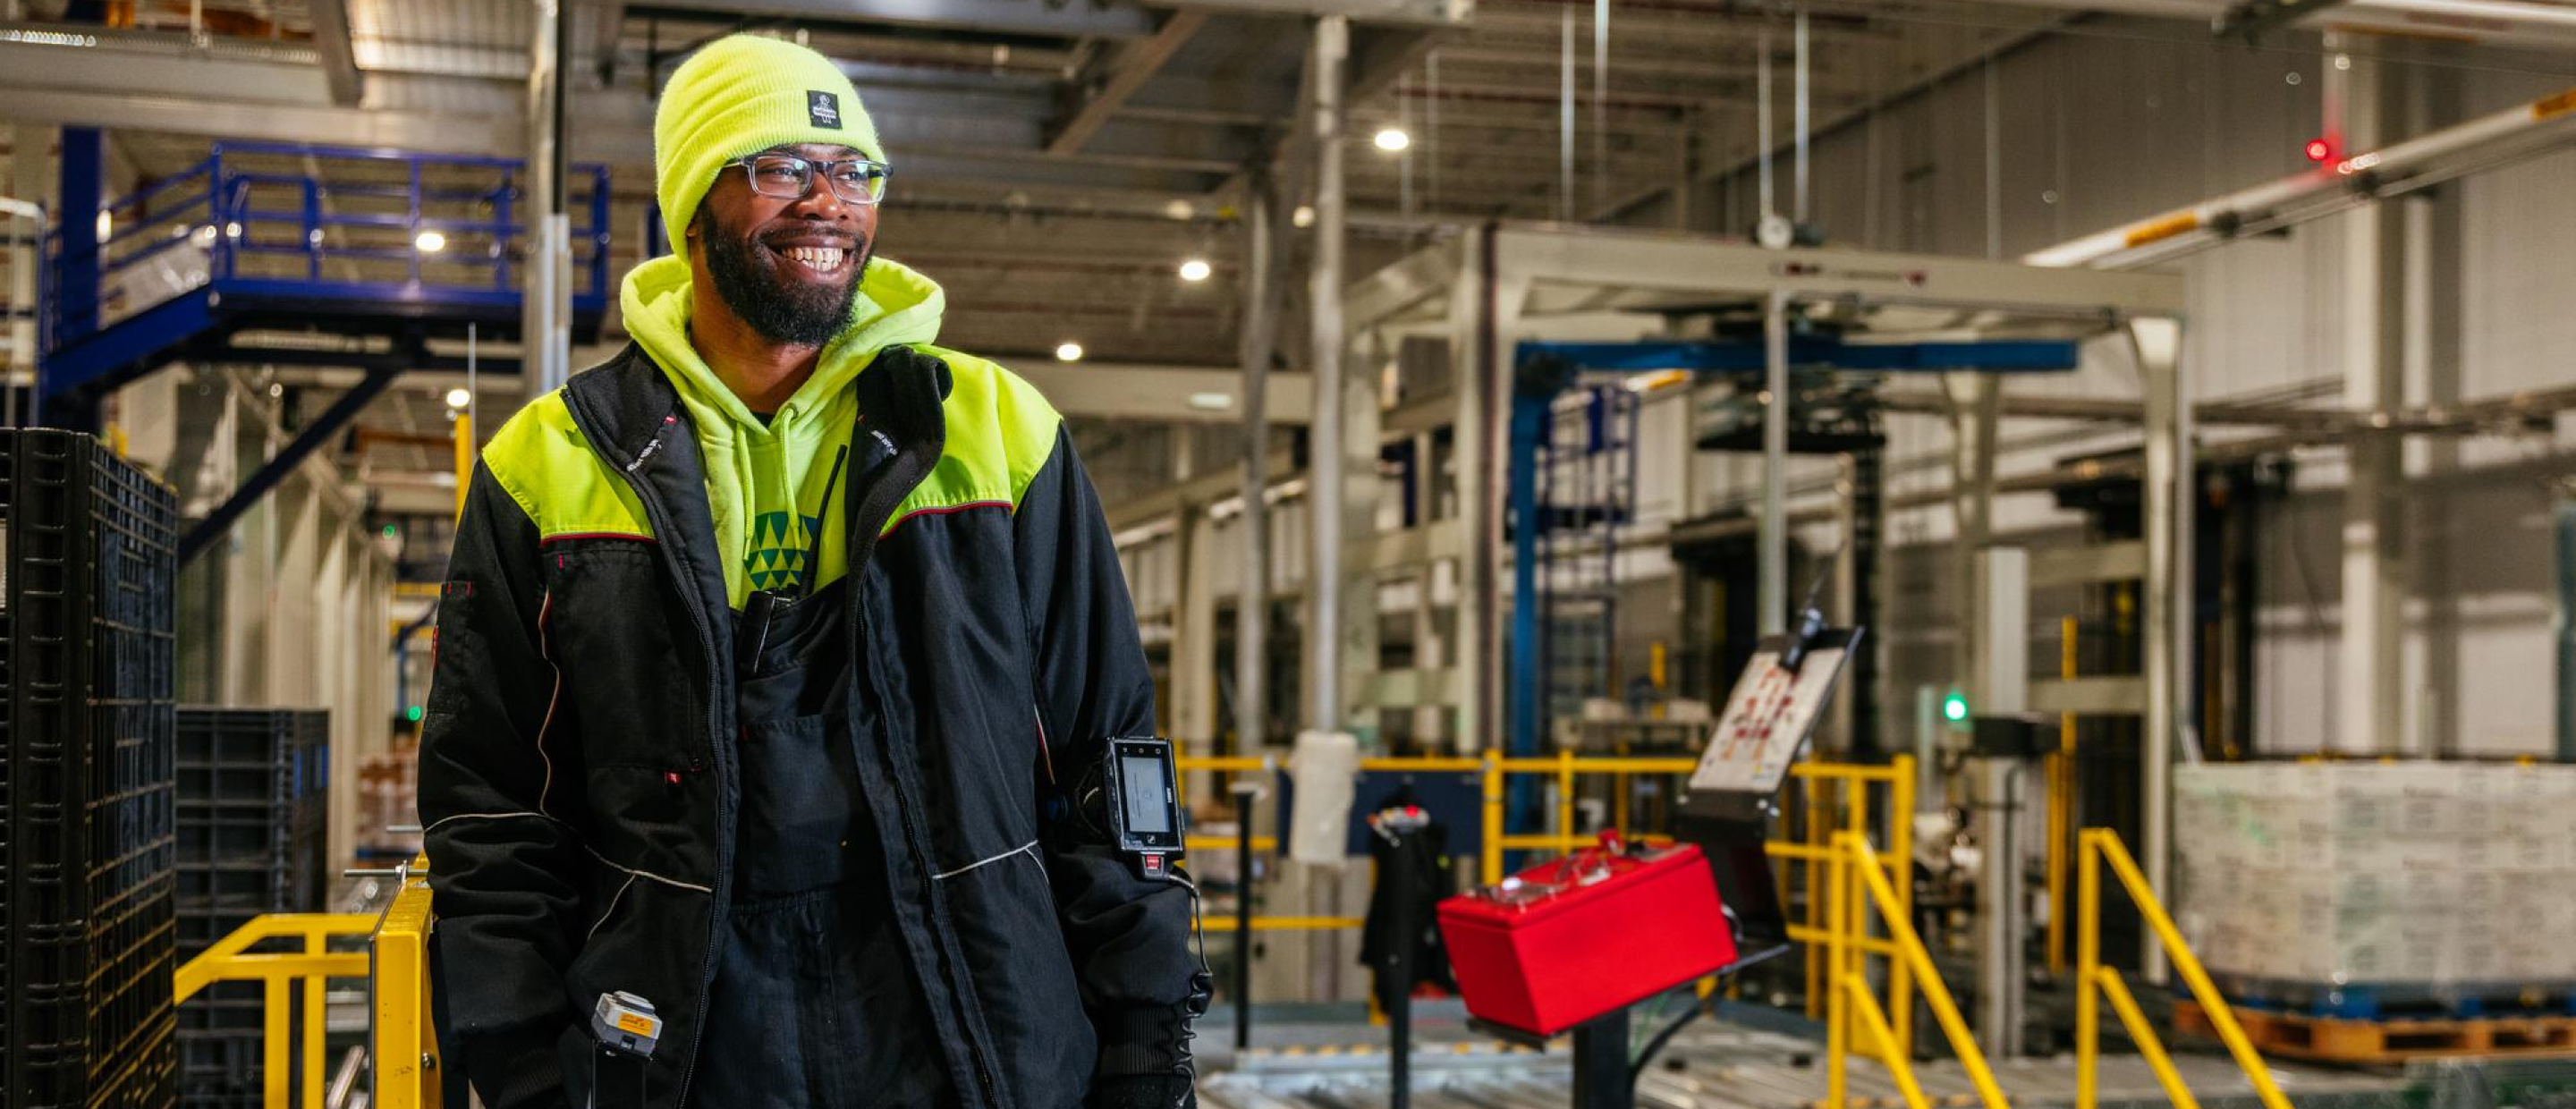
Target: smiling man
769 657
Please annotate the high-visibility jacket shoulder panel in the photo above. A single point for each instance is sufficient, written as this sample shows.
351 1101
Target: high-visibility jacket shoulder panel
1000 432
542 460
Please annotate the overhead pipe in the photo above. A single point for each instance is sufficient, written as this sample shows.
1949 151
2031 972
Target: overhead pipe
2516 23
1798 99
1762 120
2485 142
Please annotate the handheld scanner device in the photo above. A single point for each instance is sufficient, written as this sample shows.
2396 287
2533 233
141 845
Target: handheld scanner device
625 1024
1143 806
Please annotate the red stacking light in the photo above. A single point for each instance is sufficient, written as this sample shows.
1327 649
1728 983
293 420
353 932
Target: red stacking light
2320 150
1566 941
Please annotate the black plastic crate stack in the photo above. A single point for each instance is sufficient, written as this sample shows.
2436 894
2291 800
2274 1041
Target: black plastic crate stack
87 807
253 796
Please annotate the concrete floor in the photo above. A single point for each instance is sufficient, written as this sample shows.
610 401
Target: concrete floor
1307 1060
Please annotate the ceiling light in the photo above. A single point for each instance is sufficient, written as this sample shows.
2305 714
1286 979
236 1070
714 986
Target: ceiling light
1196 269
1180 210
1393 139
1304 216
1068 352
430 242
106 224
459 398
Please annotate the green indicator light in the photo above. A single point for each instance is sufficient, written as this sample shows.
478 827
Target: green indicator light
1954 708
390 532
412 714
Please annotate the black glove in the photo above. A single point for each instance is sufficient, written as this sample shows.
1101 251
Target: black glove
1142 1091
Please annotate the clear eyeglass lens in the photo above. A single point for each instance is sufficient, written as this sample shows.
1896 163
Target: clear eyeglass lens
784 176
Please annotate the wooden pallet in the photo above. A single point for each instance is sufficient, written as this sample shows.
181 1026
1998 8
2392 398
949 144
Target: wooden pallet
2387 1041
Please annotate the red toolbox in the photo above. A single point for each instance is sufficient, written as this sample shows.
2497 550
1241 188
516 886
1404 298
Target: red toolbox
1569 940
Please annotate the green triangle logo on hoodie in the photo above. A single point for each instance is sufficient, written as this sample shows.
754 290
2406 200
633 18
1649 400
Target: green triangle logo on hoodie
765 482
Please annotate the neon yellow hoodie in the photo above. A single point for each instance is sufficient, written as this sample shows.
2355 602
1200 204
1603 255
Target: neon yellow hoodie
765 483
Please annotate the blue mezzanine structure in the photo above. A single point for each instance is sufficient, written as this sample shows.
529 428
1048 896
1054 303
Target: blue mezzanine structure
263 237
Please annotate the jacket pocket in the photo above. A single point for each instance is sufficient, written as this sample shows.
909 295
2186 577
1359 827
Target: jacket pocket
629 667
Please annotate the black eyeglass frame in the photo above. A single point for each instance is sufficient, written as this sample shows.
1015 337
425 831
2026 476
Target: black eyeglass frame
812 168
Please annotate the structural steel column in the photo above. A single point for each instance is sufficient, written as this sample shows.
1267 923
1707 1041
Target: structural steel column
1324 445
1771 570
2360 104
1484 318
1479 528
1974 406
29 146
1252 593
2165 508
1194 688
79 200
545 315
1355 576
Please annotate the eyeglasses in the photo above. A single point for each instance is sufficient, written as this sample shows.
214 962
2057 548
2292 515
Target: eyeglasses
786 176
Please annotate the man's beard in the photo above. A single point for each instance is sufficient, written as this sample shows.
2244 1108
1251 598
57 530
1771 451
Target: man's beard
781 308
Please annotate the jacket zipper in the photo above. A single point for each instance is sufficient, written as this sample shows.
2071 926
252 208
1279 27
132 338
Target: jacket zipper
656 511
857 569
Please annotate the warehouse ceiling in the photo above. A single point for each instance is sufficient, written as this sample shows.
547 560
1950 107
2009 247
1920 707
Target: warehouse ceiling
1054 161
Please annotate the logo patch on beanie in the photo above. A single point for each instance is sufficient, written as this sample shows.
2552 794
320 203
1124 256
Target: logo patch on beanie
823 108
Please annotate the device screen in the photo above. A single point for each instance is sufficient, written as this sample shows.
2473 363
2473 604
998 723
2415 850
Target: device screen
1141 781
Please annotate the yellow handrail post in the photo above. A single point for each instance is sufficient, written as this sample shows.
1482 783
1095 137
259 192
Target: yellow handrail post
1565 798
405 1047
2088 968
275 1036
1819 834
1900 838
317 942
1493 784
1837 912
1909 946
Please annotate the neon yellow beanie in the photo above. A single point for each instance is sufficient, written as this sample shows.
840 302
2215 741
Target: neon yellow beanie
740 95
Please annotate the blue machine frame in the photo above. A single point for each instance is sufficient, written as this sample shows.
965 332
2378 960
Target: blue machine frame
1547 368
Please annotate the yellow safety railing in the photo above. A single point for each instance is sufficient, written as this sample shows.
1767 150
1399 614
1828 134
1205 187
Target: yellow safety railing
405 1045
291 1065
231 960
1838 798
1491 768
2094 981
2060 775
1856 884
1835 794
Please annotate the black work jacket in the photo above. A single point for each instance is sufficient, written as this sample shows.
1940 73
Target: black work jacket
579 776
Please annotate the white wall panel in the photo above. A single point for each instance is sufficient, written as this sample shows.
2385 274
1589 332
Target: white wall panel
2120 120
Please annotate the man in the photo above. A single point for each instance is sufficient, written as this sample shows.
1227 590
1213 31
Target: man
770 658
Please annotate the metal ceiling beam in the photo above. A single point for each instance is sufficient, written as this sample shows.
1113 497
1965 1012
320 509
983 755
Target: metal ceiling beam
1195 394
1422 13
339 56
607 27
1111 82
1005 17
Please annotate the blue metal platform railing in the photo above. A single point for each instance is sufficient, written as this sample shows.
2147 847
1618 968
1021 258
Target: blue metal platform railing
342 239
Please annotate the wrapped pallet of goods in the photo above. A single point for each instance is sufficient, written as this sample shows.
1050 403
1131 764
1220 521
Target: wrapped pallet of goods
2343 887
